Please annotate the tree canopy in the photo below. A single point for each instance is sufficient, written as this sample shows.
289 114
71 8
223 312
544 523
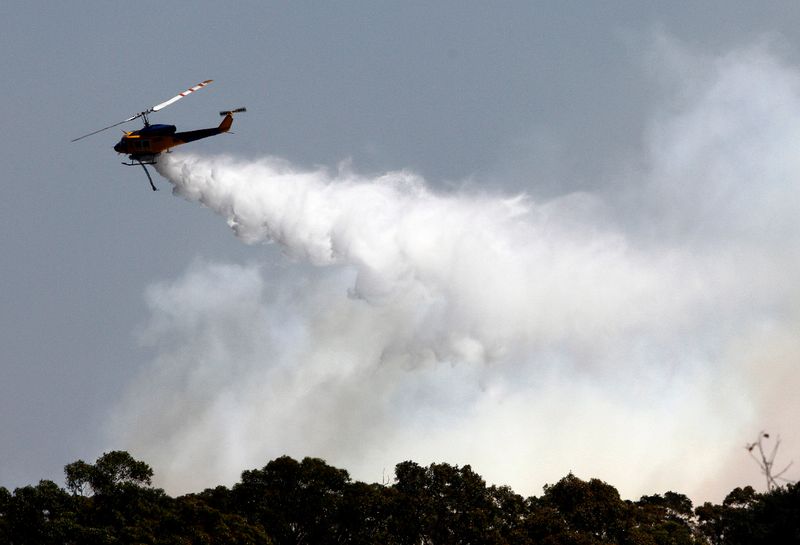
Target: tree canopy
291 502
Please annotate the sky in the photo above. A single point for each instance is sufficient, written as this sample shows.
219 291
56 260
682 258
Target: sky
533 237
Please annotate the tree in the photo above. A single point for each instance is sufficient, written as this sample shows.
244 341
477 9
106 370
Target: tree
510 511
749 518
444 504
776 516
110 471
114 499
664 520
364 515
38 514
78 476
410 506
5 505
296 502
310 502
592 507
192 520
545 525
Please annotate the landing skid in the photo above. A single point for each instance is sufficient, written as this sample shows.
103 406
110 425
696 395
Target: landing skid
143 163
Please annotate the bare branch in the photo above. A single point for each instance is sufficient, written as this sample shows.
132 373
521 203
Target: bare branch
766 463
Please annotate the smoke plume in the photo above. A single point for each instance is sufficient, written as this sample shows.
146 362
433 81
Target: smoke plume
640 333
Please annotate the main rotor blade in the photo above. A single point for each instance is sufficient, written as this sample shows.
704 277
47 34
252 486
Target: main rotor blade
179 96
106 128
155 108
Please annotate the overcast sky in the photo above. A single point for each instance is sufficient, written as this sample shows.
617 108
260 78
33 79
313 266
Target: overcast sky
633 317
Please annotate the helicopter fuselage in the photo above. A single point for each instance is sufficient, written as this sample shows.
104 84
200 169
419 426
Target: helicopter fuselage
151 140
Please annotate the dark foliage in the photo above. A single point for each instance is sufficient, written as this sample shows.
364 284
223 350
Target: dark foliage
308 502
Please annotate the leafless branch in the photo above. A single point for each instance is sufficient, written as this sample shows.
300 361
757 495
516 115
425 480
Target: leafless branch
767 462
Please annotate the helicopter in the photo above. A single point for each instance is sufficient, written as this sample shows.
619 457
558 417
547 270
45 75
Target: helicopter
145 145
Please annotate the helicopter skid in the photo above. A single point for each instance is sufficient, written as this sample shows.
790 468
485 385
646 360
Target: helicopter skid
141 160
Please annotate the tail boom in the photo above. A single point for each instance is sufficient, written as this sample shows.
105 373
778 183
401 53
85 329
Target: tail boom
225 126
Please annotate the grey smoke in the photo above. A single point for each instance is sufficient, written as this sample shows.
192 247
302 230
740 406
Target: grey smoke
640 333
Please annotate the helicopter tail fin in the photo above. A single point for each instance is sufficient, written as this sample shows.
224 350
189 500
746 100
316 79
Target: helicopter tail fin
228 121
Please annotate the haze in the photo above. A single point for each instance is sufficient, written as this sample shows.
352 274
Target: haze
535 238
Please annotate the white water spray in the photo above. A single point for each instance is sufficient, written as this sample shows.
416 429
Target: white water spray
527 339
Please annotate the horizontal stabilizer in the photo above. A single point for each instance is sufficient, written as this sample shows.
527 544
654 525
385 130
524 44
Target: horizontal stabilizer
236 111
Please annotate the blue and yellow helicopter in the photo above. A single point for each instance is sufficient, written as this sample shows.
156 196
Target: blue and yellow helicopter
145 145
